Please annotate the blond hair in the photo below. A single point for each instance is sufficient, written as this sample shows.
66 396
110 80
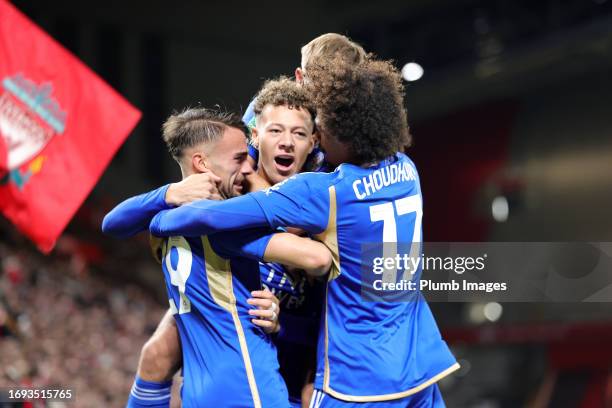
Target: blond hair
332 45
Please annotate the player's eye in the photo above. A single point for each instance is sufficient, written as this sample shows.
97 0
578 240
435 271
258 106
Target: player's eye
275 130
300 134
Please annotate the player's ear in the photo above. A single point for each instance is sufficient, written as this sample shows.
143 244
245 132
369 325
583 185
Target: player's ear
255 137
299 75
313 142
199 162
314 138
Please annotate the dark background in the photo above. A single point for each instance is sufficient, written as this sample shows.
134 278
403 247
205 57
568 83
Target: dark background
515 102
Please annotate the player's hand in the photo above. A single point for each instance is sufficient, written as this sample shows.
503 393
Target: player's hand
266 314
192 188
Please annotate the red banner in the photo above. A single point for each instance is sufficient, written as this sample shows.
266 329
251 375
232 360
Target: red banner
60 125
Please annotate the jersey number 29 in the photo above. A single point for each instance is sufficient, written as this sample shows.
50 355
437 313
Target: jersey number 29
180 274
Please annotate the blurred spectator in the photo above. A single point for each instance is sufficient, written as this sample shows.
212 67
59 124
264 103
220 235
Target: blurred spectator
66 324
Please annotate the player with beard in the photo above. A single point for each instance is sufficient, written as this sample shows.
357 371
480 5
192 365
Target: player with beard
158 360
284 135
372 352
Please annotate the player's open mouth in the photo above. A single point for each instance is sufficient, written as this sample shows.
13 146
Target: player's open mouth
284 162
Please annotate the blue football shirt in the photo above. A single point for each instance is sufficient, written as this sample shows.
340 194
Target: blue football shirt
227 361
367 350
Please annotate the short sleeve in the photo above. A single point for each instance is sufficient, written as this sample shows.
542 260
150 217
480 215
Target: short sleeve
249 243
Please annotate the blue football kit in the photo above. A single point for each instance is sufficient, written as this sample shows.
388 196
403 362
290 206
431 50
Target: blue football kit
368 351
300 304
300 299
227 360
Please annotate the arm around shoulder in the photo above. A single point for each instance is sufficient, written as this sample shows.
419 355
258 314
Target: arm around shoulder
304 253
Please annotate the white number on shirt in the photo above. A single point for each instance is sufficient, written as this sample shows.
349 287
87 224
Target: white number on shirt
387 213
180 274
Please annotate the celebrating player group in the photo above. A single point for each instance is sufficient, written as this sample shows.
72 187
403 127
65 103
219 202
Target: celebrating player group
264 266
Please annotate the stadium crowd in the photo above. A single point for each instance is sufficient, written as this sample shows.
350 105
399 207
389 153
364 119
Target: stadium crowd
65 324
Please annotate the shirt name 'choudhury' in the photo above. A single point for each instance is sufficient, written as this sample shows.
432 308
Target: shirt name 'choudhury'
380 178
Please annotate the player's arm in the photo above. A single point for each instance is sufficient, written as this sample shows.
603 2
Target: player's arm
134 214
289 204
298 252
284 248
207 217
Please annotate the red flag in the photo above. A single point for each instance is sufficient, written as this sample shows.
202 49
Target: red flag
60 125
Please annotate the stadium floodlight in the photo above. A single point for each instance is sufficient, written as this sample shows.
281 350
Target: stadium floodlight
412 72
500 209
493 311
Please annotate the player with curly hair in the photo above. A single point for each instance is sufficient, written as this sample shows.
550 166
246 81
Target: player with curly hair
372 351
284 136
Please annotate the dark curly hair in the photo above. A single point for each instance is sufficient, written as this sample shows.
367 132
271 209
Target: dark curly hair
361 105
283 92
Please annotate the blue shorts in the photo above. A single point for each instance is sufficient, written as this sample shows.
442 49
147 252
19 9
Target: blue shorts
430 397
